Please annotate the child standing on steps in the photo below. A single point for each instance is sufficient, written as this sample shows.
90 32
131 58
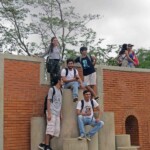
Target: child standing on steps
53 113
87 62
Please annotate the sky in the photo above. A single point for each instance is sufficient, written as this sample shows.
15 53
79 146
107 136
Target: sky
122 21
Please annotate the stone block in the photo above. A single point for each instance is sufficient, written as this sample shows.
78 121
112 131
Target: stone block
123 140
93 144
37 131
75 144
128 148
107 133
69 127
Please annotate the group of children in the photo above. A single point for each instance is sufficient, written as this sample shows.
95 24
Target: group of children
69 78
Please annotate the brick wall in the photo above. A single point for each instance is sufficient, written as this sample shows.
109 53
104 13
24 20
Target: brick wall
23 99
125 94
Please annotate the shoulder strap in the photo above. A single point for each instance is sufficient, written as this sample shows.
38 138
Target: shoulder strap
75 72
92 103
53 93
66 71
45 102
82 104
89 57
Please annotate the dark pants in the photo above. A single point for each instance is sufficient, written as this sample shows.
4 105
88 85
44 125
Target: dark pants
53 67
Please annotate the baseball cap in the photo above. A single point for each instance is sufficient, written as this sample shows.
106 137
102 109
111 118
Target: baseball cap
130 45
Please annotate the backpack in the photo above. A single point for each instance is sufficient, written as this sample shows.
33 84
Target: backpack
135 59
73 69
120 59
89 57
48 64
45 101
82 104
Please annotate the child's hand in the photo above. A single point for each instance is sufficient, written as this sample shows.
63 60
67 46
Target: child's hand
49 117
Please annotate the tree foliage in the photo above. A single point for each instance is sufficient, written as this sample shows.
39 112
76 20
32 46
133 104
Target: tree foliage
14 29
144 58
22 21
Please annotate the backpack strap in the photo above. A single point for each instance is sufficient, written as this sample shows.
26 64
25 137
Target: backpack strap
92 103
45 101
73 70
53 93
66 71
82 105
89 57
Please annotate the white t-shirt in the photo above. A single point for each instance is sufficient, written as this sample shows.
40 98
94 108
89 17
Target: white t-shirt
70 73
55 54
87 107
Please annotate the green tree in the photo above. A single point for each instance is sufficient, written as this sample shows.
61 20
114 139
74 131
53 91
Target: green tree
103 54
14 29
144 58
45 19
58 18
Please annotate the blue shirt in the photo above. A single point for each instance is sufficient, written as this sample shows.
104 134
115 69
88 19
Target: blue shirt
88 67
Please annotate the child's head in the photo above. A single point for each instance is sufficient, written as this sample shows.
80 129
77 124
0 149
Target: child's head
83 50
57 80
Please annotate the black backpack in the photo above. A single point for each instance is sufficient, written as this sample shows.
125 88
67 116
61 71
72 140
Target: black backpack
73 69
82 104
45 101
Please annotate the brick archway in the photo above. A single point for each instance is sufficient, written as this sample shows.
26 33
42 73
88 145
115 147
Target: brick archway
132 128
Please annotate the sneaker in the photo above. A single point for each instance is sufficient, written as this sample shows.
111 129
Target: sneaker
75 99
41 146
88 138
47 147
96 98
81 137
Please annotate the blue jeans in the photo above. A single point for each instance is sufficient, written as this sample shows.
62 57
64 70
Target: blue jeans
131 65
74 86
82 121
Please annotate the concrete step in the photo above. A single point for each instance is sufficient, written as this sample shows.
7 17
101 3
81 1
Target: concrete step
93 144
128 148
75 144
123 140
107 133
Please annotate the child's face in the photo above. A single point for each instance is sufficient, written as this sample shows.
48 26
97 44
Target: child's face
87 96
84 52
70 65
61 82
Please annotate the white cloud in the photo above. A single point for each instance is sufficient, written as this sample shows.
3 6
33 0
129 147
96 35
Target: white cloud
123 21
